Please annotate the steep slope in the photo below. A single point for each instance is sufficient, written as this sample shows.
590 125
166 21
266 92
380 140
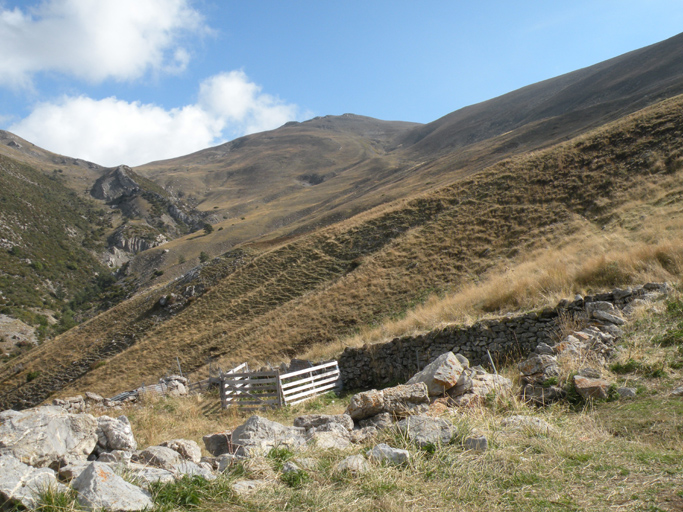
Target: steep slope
319 287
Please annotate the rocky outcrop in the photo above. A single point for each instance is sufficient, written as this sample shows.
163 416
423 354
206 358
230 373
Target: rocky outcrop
47 436
115 184
439 375
115 434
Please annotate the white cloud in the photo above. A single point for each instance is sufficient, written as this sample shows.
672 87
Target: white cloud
95 39
112 131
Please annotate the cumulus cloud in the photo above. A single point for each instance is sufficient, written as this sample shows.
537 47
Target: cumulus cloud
95 39
111 131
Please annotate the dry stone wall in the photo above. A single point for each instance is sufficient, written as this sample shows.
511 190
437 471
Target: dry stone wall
378 365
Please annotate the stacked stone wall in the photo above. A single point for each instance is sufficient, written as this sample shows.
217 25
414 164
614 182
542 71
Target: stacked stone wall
379 365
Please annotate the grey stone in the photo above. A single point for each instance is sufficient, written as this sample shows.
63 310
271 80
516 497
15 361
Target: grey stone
544 349
591 388
143 475
385 453
115 434
607 317
626 392
93 397
592 307
290 467
379 421
363 435
541 395
23 484
677 391
439 375
406 400
116 456
355 465
476 443
100 488
71 471
225 461
188 450
620 294
613 330
319 420
463 361
483 384
425 430
160 456
218 443
330 441
259 435
189 468
591 373
519 422
47 436
539 364
365 404
242 487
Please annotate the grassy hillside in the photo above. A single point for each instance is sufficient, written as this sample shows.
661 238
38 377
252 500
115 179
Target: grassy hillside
47 233
597 199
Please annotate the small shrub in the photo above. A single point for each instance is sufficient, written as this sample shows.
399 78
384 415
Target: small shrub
204 257
33 375
158 273
629 366
295 479
186 492
208 228
280 455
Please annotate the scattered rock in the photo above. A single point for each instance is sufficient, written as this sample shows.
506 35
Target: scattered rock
115 434
591 388
100 488
439 375
626 392
290 467
678 391
189 468
406 400
258 435
541 395
590 373
363 435
218 443
116 456
23 484
527 423
426 431
160 456
476 443
243 487
379 421
319 420
385 453
356 465
366 404
608 317
329 441
188 450
47 436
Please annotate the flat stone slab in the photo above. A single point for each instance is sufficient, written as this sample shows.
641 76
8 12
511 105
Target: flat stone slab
591 388
356 465
385 453
246 486
425 430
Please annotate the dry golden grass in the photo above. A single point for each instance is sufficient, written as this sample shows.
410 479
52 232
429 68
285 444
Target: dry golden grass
622 455
587 214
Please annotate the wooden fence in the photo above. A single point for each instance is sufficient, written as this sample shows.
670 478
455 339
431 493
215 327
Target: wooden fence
252 390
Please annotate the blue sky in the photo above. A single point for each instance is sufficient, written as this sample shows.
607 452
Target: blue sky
131 81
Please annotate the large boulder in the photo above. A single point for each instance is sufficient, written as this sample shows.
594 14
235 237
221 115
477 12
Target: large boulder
365 404
22 484
425 431
258 435
188 450
115 434
47 436
439 375
483 384
100 488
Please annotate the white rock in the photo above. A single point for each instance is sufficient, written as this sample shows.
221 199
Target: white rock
439 375
100 488
46 436
187 449
23 484
115 434
385 453
355 464
160 456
